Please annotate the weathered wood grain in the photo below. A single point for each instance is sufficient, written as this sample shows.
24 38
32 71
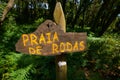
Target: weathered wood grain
65 40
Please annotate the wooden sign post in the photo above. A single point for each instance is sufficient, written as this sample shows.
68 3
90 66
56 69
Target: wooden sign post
60 60
50 39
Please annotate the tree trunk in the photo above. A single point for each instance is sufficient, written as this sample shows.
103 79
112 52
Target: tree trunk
95 22
7 9
109 21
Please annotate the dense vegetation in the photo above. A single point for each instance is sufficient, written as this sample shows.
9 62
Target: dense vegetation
99 18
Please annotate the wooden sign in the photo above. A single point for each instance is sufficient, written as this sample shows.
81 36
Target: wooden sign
49 39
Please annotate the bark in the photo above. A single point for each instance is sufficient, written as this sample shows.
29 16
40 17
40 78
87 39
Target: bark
109 21
81 10
76 16
104 17
95 22
7 9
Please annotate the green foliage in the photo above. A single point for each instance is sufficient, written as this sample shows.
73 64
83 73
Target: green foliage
2 6
21 74
8 64
100 61
95 76
105 48
102 54
39 21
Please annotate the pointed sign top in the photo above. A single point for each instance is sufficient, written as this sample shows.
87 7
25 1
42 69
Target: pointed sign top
59 16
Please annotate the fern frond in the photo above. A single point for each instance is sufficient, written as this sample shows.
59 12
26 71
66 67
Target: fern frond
2 7
21 74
